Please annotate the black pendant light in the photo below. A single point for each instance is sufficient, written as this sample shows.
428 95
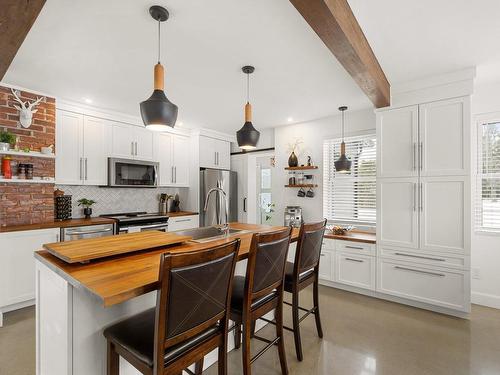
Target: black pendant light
343 164
158 113
248 136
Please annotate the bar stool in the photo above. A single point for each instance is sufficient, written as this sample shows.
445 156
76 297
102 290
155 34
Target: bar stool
190 318
260 292
302 273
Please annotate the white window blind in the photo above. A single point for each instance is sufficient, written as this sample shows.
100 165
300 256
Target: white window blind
351 197
488 178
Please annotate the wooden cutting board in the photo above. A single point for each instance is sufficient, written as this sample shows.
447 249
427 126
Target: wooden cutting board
81 251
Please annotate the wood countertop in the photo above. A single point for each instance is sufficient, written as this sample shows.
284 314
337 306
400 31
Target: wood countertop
354 236
118 279
76 222
58 224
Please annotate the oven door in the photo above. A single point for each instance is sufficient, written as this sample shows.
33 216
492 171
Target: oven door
162 227
132 173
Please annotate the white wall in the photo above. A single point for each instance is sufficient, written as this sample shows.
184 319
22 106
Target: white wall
485 248
312 134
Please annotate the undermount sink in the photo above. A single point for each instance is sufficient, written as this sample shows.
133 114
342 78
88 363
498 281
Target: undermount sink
206 234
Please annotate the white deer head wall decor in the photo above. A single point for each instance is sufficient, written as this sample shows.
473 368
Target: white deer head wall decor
26 110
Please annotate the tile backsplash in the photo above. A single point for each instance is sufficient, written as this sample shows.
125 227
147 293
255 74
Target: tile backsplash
115 200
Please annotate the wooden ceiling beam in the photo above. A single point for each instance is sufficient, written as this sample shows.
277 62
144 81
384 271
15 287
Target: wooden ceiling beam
16 19
337 27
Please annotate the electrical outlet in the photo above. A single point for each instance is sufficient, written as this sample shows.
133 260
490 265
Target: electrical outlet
476 273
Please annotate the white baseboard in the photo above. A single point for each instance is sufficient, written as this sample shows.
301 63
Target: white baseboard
484 299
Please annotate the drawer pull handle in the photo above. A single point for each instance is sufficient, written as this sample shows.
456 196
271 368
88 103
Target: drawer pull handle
354 260
182 220
420 257
322 254
419 271
354 247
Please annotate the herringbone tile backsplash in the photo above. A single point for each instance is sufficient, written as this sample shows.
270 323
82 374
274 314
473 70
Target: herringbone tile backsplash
116 200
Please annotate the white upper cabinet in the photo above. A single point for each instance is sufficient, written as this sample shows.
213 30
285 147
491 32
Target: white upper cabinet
82 144
397 140
443 144
173 155
69 148
444 214
132 142
214 153
397 212
96 136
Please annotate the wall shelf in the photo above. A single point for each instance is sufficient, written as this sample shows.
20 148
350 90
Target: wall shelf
302 186
24 181
302 168
33 154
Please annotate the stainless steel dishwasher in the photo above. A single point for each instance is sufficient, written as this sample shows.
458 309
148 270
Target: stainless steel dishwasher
88 231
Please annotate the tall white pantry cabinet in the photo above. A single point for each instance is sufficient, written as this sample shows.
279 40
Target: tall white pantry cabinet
423 203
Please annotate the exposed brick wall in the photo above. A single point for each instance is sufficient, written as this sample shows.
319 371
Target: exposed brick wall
25 203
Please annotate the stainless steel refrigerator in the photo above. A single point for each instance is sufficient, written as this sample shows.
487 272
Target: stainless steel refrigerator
227 181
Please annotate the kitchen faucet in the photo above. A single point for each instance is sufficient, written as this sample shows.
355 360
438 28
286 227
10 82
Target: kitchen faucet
225 226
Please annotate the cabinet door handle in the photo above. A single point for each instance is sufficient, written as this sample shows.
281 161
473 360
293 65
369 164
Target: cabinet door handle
86 169
354 260
421 197
419 271
132 150
323 254
414 188
245 204
420 257
421 155
175 174
81 168
135 148
215 158
414 158
172 174
354 247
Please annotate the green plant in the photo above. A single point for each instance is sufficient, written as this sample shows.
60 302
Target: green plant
87 203
269 211
6 137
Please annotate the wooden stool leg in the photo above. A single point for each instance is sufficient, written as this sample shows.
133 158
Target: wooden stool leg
296 325
237 336
198 367
281 343
222 360
316 306
252 332
246 355
113 365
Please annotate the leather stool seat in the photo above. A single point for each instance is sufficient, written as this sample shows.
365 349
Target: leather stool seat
136 334
237 296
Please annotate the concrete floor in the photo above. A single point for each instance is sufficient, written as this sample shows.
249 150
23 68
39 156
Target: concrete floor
363 336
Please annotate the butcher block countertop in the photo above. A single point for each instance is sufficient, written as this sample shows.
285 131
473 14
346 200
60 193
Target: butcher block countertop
356 236
89 249
76 222
58 224
120 278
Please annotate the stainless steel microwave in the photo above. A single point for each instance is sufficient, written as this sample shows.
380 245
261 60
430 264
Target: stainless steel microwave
132 173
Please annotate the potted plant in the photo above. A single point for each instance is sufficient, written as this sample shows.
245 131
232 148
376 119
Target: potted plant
87 204
6 140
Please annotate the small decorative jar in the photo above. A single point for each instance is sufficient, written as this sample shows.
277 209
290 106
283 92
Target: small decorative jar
21 171
29 171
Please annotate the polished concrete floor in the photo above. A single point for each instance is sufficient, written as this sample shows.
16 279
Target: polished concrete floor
363 336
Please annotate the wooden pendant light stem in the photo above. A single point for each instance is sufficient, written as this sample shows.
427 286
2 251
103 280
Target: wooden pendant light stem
159 77
248 112
342 148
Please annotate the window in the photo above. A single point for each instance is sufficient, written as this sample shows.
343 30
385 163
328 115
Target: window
351 198
488 178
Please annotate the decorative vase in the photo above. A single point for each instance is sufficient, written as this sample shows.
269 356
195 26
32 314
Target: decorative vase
4 146
87 212
292 160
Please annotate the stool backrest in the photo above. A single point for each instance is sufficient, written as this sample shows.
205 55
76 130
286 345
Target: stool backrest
194 294
308 251
266 263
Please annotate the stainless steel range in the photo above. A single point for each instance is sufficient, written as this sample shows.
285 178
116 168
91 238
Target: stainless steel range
131 222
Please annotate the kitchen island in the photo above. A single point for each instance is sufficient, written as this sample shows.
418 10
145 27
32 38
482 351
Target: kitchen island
75 302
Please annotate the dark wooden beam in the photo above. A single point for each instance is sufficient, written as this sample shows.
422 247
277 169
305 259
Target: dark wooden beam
16 19
337 27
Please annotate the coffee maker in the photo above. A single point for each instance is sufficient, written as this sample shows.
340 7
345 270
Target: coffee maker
293 216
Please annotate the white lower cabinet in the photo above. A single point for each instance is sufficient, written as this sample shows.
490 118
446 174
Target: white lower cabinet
326 265
437 286
355 269
183 222
17 265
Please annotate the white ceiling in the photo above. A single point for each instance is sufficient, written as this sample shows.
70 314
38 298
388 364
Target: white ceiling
416 39
105 50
